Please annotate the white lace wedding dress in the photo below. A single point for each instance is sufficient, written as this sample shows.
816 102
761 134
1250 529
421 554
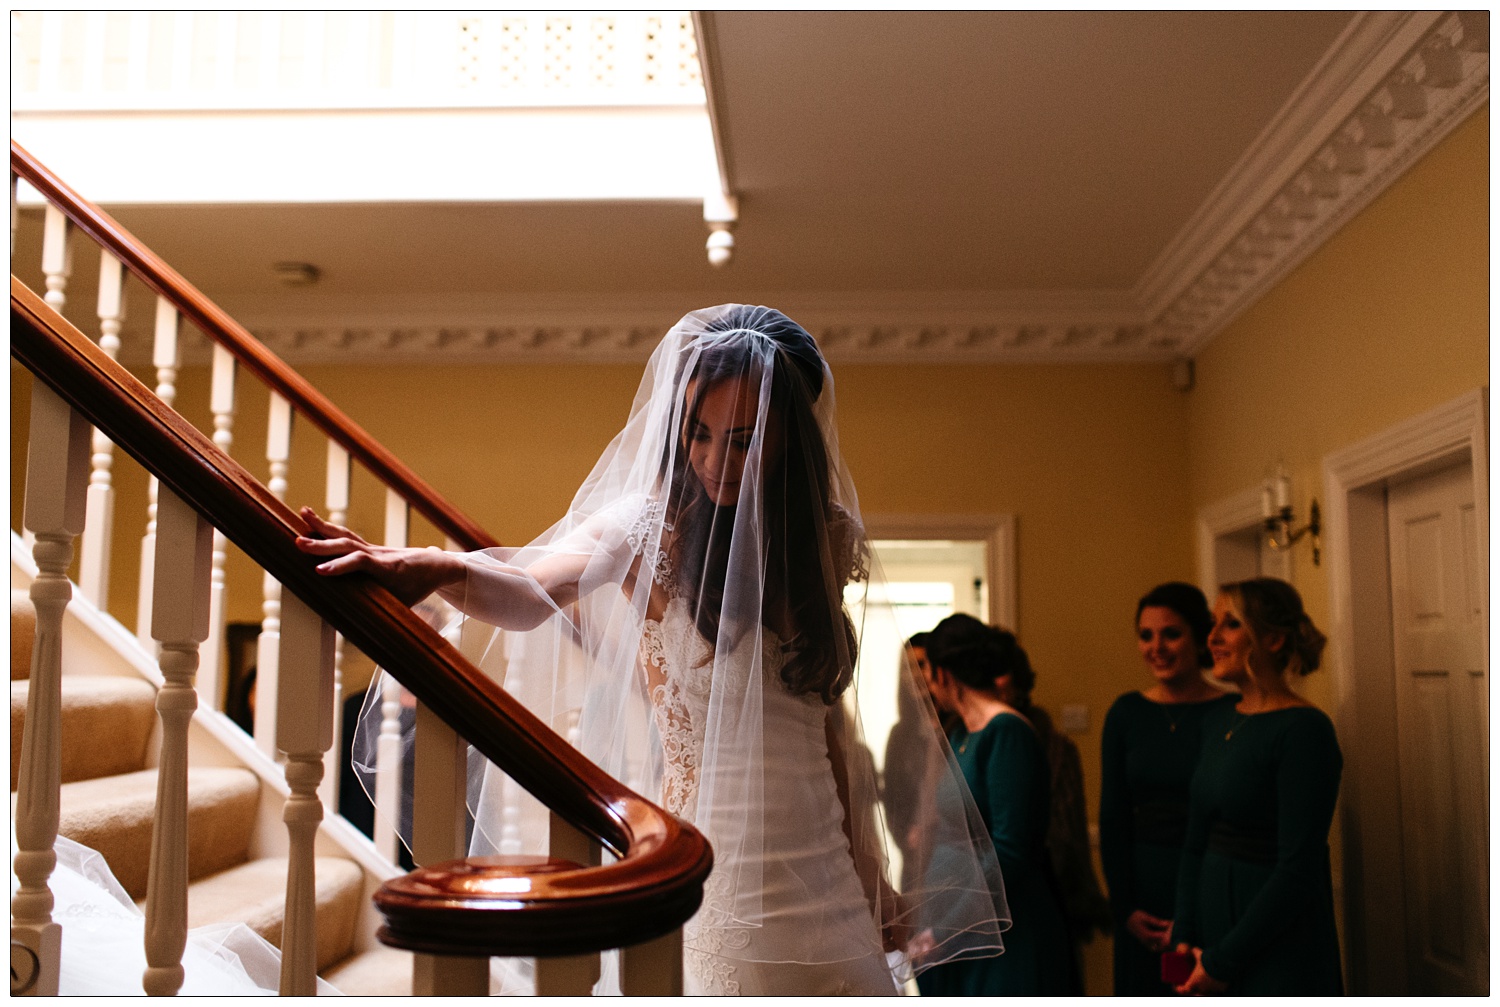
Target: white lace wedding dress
751 942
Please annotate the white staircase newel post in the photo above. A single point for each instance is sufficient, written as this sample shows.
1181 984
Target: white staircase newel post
98 532
268 645
57 256
165 356
212 657
653 968
56 481
388 746
568 975
304 731
179 622
439 795
336 501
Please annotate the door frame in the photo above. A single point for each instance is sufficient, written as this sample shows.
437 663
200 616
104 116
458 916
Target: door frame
1227 516
997 531
1362 665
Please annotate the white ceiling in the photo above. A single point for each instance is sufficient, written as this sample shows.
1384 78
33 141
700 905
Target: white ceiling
994 185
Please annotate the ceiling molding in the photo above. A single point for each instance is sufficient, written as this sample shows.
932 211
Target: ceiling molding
1394 86
888 327
1325 98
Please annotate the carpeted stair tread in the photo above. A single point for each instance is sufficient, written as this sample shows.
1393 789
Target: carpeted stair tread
381 971
254 893
22 633
106 725
113 815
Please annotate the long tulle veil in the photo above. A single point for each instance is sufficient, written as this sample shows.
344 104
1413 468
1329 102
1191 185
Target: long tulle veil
685 625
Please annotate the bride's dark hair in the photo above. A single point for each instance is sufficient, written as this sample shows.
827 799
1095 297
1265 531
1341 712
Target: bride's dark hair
801 596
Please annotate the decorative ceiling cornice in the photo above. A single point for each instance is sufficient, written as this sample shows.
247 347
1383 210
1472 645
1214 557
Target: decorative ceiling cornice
1391 88
874 328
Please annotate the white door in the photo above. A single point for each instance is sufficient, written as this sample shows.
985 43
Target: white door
1442 729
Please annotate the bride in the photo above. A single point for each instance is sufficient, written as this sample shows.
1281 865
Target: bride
688 612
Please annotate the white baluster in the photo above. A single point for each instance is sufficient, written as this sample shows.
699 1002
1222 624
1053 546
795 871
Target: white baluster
304 731
510 817
212 657
438 818
439 791
166 357
336 502
388 757
56 481
179 622
98 532
388 747
57 256
569 975
653 969
268 645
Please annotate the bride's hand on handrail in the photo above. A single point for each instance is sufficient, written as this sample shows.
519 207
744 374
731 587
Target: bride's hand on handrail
409 574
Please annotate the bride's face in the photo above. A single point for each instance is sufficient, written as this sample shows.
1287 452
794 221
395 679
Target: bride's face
719 437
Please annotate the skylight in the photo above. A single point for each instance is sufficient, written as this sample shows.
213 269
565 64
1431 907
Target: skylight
177 107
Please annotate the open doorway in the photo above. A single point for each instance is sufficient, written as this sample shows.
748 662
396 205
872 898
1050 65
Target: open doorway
929 568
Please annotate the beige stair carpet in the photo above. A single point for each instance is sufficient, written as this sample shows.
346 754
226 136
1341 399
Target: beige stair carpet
107 722
254 893
114 814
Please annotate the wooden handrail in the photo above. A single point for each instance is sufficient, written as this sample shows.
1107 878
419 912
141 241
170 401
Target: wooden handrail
464 907
214 322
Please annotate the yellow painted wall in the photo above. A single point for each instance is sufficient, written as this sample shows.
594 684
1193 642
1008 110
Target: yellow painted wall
1388 319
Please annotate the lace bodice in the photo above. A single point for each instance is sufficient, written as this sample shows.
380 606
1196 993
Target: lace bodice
679 667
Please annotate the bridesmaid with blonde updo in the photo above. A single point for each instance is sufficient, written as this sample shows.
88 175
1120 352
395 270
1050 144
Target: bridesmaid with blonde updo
1255 893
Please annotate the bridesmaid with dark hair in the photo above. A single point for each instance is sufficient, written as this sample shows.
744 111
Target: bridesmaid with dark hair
1150 750
971 667
1255 892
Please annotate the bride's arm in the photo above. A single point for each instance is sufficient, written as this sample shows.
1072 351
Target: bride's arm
508 596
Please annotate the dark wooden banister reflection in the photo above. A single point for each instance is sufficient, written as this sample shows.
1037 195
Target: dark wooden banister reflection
463 907
214 322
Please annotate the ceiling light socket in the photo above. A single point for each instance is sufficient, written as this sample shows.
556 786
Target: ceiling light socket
297 274
1182 375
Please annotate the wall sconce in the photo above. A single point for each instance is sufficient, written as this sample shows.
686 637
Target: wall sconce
1276 508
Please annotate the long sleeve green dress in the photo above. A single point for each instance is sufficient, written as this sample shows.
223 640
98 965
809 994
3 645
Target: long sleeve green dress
1006 770
1150 751
1255 891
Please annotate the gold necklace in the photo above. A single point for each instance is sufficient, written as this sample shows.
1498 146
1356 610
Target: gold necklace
1244 719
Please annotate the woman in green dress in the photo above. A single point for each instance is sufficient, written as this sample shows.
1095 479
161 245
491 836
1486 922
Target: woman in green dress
1005 766
1255 893
1150 750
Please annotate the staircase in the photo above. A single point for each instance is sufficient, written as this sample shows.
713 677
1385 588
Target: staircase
108 795
239 827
